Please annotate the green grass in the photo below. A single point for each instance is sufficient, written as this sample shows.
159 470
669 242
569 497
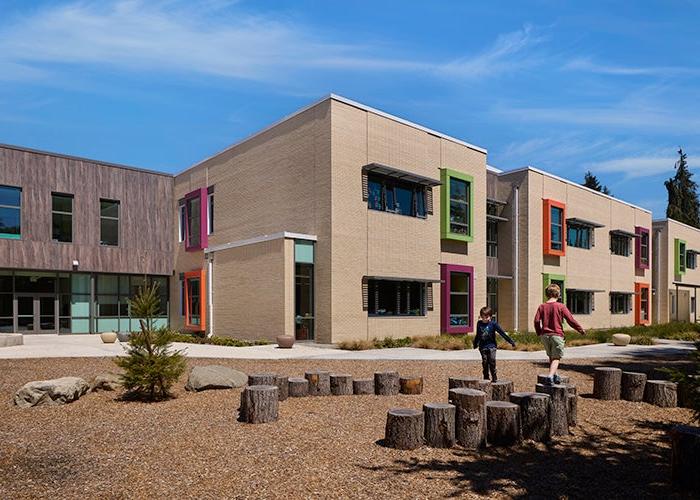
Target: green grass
223 341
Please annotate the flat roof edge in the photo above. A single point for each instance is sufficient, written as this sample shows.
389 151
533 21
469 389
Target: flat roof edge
262 238
567 181
668 219
81 158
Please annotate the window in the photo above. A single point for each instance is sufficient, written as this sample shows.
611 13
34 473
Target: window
641 310
556 279
304 290
492 294
690 259
680 256
196 219
620 303
210 212
109 222
491 238
391 195
182 220
193 221
457 300
642 247
62 217
195 312
396 298
619 244
457 199
554 227
578 236
579 302
10 212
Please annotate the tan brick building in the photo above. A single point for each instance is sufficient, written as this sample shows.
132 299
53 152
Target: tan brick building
676 274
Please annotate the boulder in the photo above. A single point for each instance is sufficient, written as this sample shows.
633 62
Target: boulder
51 392
207 377
106 382
621 339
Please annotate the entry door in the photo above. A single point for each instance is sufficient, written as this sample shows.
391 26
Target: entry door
36 313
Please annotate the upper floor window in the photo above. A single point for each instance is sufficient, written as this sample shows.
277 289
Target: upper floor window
62 217
690 259
578 236
391 195
491 238
182 220
554 227
196 219
457 200
679 256
210 210
619 244
644 248
10 212
109 222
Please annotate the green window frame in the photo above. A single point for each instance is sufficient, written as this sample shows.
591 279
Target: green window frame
450 200
559 279
679 256
10 212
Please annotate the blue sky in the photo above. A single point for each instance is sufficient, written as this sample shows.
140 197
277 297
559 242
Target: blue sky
565 86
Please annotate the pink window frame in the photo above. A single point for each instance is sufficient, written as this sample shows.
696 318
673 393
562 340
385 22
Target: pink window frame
638 247
446 271
200 193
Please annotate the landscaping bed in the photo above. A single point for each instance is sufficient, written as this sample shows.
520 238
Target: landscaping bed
192 446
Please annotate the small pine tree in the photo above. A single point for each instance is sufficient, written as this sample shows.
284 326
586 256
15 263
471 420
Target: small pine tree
150 367
591 181
689 382
683 204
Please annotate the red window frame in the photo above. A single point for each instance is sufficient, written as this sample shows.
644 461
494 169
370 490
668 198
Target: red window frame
640 288
547 205
202 326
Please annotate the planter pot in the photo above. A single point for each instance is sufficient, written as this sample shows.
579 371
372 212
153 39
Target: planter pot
108 337
285 341
123 336
621 339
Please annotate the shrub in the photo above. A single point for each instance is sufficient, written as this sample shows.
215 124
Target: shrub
150 366
689 382
641 340
190 338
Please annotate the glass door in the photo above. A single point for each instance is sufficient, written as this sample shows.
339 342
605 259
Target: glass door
25 313
36 313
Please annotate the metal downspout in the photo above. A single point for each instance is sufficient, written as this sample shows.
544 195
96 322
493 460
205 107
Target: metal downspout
516 258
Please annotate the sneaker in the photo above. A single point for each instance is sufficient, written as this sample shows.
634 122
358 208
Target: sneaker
548 381
556 379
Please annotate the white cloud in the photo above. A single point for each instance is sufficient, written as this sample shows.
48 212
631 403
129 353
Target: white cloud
585 64
636 166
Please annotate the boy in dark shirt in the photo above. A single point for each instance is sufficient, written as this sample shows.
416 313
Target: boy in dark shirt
485 340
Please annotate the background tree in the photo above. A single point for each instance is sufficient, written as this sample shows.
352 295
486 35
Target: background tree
683 204
591 181
150 366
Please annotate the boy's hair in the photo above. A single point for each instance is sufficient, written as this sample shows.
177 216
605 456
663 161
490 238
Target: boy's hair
552 291
486 311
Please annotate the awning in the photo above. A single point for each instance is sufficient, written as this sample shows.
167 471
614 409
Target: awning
690 250
395 173
583 222
587 290
497 218
499 277
396 278
622 292
621 232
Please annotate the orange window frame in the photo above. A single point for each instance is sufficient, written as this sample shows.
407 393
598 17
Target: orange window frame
202 326
640 288
547 206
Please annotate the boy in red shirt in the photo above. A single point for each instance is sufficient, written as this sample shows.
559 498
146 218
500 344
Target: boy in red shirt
548 325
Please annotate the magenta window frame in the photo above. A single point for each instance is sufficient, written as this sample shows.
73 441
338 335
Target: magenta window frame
639 231
446 271
200 193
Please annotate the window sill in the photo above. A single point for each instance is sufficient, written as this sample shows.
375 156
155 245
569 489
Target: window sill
10 237
419 217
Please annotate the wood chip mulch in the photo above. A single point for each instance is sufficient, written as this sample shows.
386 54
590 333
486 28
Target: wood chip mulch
193 447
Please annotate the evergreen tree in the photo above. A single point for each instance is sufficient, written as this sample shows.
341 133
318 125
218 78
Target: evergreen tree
150 367
591 181
683 204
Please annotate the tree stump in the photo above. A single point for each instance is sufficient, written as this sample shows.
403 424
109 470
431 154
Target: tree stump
500 391
363 386
259 404
542 378
633 386
319 382
685 450
262 379
440 424
411 385
386 383
560 407
607 383
485 387
461 382
404 428
502 423
572 409
661 393
341 384
298 387
535 415
470 420
282 383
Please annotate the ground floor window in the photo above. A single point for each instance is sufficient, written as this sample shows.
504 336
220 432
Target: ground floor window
195 316
457 298
641 292
579 302
396 298
304 318
492 294
620 303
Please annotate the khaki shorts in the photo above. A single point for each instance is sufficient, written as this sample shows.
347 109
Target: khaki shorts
553 346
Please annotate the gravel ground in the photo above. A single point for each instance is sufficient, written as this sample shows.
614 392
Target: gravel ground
192 446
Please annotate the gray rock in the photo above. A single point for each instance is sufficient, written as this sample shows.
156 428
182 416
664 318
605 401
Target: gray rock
51 392
106 382
215 377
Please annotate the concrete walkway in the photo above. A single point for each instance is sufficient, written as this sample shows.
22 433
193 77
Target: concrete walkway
89 346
